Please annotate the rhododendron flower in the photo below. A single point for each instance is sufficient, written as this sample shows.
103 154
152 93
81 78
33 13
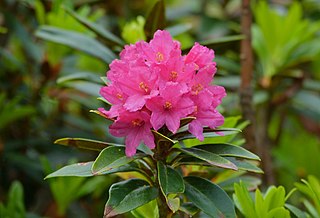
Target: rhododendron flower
153 85
136 127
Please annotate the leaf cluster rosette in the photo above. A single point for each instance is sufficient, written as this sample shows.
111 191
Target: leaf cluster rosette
158 99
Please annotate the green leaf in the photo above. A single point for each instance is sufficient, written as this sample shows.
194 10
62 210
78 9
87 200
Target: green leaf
183 134
148 210
189 208
224 39
243 200
178 29
78 169
99 30
84 170
77 41
128 195
155 19
211 158
162 138
169 179
296 211
228 150
85 143
110 158
245 165
208 197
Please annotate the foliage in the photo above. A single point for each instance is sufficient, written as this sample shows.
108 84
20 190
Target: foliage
271 204
311 189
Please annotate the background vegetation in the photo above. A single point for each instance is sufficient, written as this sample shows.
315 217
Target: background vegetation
53 54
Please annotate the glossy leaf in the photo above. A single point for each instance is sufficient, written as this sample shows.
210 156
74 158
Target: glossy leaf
228 150
170 180
85 143
189 208
155 19
208 197
245 165
77 41
162 138
84 170
211 158
128 195
110 158
96 28
207 132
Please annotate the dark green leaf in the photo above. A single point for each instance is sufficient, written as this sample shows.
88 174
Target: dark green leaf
77 41
211 158
87 76
128 195
85 143
110 158
162 138
170 180
208 197
189 208
99 30
227 150
155 19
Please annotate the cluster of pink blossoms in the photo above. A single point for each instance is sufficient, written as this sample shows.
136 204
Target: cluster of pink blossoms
153 85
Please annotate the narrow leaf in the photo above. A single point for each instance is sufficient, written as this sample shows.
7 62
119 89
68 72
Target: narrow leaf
76 40
211 158
155 19
245 165
85 143
207 132
208 197
84 170
228 150
128 195
99 30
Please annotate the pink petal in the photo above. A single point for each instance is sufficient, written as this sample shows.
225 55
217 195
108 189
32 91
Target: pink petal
134 103
196 129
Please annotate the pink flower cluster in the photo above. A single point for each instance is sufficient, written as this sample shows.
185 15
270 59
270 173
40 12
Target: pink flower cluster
153 85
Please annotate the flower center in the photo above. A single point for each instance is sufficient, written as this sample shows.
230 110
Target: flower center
197 88
167 105
196 66
144 86
159 56
119 96
173 75
137 122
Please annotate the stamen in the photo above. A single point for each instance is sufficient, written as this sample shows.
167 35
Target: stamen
173 75
167 105
143 86
197 88
137 122
119 96
159 57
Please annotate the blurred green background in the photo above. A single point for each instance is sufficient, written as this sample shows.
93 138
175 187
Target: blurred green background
53 54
